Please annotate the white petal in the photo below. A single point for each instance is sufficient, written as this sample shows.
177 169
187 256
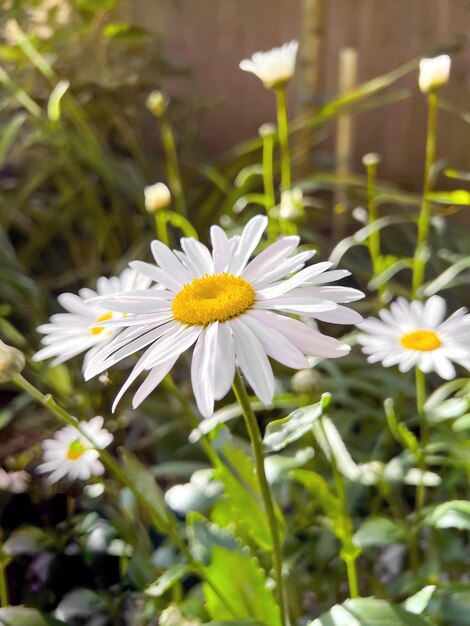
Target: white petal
298 279
306 339
202 369
155 377
198 256
270 258
340 315
157 274
169 262
249 239
253 361
434 311
220 249
224 368
275 344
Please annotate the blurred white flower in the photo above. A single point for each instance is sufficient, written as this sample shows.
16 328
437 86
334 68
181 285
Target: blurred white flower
157 197
230 309
292 206
274 67
70 454
69 334
415 334
12 362
14 482
434 72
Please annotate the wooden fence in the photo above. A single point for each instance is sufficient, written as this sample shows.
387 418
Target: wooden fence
213 35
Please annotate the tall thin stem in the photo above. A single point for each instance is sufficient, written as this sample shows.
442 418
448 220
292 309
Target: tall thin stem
268 182
420 380
172 164
161 226
419 264
373 240
283 130
257 445
348 558
167 525
4 599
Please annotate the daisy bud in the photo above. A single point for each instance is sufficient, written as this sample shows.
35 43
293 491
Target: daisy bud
306 381
267 130
157 197
157 103
274 68
371 158
434 72
11 362
292 204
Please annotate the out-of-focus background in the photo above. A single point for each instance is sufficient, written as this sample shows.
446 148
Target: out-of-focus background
210 38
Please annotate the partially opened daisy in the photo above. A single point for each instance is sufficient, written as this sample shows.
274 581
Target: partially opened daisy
72 455
415 334
234 311
274 67
71 333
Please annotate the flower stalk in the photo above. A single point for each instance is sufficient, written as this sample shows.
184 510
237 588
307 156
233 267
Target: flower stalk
348 553
371 162
419 264
283 130
267 132
256 442
168 525
420 380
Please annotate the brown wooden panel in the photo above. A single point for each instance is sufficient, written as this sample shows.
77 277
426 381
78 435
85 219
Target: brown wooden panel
214 35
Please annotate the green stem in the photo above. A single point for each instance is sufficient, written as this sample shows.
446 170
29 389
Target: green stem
373 241
419 264
167 525
4 599
256 442
268 183
423 440
161 226
283 130
348 558
173 169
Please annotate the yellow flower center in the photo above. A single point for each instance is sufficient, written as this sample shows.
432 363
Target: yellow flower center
215 298
76 449
423 340
97 330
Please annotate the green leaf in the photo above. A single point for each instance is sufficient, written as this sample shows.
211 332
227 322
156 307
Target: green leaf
419 601
280 433
147 487
376 531
368 612
124 31
247 172
168 579
242 490
203 536
22 616
453 514
53 106
27 540
458 196
243 586
237 622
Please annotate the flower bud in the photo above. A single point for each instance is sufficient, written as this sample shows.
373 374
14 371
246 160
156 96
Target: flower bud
434 72
306 381
157 103
157 197
11 362
267 130
371 158
291 204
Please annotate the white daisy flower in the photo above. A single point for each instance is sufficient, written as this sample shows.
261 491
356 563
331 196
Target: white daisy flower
415 334
71 454
434 72
233 310
275 67
69 334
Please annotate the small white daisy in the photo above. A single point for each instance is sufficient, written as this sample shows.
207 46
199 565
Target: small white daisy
233 310
69 334
274 67
71 454
415 334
